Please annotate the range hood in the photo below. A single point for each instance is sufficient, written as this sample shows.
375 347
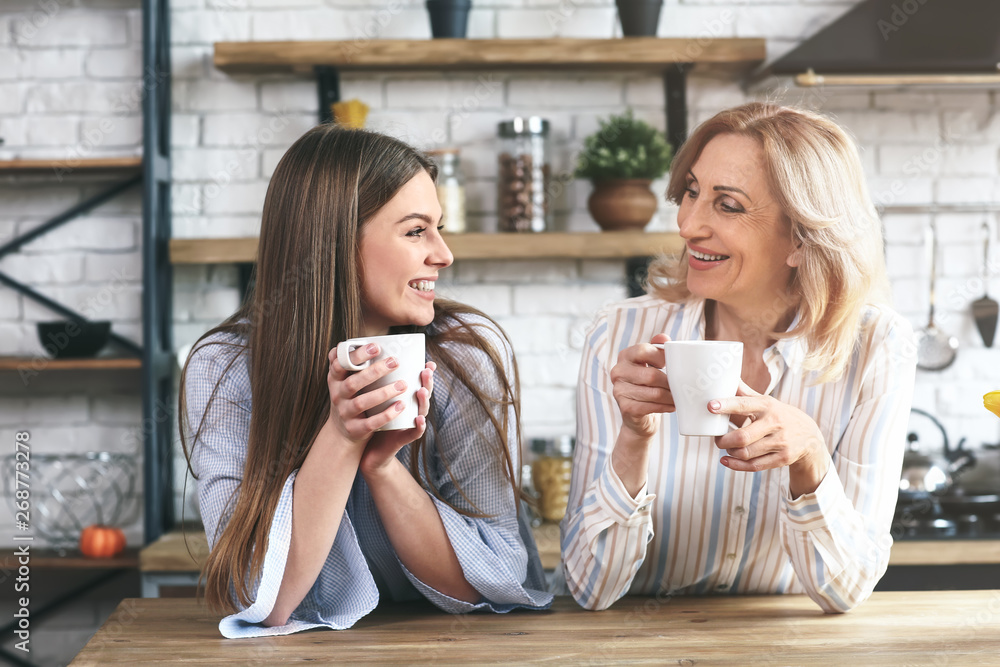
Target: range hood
922 41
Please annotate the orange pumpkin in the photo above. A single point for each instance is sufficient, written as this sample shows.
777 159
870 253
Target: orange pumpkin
102 541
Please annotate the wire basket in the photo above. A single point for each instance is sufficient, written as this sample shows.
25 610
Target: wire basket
72 491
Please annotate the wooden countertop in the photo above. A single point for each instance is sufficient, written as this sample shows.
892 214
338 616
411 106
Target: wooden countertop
180 552
175 552
945 552
938 627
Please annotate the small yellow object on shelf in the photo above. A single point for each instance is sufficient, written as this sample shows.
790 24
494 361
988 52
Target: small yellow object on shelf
350 113
992 402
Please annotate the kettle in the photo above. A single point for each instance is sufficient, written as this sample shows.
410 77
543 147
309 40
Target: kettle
926 474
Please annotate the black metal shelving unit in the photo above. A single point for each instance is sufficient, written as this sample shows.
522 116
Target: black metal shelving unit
156 353
157 276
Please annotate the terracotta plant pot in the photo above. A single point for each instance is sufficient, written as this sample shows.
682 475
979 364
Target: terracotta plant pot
622 204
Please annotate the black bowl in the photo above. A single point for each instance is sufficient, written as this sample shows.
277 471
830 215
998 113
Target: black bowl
66 339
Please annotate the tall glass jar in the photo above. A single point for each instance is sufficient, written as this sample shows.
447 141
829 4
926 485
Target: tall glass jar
450 189
523 200
551 471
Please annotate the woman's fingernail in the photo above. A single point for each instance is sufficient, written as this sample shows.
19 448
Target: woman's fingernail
400 385
371 348
714 405
391 362
399 406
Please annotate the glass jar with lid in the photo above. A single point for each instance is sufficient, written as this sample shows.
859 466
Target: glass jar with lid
551 471
450 189
523 198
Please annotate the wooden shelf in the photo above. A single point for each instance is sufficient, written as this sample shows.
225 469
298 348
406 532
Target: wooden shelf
71 559
70 165
630 53
213 251
45 364
584 245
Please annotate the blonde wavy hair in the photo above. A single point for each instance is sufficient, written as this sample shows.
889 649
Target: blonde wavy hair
814 172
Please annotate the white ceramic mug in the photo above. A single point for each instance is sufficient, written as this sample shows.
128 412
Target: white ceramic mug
408 350
700 371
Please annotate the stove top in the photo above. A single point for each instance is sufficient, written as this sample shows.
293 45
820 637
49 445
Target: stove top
925 519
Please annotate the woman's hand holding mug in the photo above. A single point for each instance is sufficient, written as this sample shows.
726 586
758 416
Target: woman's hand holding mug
380 385
640 387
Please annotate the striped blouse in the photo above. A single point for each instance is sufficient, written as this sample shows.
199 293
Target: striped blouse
497 554
698 527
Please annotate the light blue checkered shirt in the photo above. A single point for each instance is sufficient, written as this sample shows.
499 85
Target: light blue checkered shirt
497 554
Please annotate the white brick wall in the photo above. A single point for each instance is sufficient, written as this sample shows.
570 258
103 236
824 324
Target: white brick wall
71 89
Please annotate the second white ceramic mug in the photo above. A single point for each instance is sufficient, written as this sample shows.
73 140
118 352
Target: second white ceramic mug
699 371
408 350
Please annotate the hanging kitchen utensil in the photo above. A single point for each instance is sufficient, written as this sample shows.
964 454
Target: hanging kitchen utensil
936 350
985 309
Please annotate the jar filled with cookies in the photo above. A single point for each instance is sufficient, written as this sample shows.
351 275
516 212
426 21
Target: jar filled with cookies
524 170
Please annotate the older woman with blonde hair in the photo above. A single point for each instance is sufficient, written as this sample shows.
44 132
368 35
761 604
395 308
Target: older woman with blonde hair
784 253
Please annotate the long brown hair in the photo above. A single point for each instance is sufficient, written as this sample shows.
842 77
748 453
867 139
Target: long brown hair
815 174
306 299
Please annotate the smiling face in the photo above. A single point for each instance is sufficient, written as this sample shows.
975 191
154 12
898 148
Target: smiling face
740 247
401 253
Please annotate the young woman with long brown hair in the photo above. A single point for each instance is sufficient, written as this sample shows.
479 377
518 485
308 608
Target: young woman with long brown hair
313 514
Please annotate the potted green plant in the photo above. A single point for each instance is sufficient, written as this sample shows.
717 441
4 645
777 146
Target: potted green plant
622 159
